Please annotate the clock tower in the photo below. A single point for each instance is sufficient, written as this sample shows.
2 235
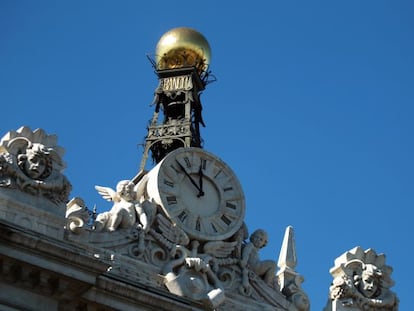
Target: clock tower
198 204
174 238
181 63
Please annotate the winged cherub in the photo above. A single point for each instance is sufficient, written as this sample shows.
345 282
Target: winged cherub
125 210
250 257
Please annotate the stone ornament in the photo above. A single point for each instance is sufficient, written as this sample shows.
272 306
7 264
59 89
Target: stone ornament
250 259
204 270
184 220
198 251
127 208
192 275
178 228
289 280
362 281
77 215
31 161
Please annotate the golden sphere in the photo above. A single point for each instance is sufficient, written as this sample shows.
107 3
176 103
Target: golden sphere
182 47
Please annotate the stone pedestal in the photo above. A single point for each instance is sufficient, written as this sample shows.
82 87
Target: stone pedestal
32 213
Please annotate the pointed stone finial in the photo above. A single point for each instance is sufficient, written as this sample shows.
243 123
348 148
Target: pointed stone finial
287 257
289 280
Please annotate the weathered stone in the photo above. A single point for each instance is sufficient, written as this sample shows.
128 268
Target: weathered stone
289 280
362 281
132 257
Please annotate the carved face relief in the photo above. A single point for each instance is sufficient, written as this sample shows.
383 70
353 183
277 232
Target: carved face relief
259 239
368 285
125 189
35 162
35 165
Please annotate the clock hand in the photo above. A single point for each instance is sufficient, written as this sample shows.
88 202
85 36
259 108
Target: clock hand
200 179
189 177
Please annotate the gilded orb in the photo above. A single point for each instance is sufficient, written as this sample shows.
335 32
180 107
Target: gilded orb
182 47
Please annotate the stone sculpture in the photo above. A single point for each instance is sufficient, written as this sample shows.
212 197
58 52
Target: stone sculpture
127 209
361 282
141 242
250 257
31 161
289 280
77 215
203 270
136 237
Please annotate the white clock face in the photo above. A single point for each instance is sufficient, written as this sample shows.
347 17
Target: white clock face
199 192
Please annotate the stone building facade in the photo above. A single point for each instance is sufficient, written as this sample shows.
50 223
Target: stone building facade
175 237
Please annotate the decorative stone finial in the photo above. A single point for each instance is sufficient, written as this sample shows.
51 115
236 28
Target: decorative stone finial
287 256
289 280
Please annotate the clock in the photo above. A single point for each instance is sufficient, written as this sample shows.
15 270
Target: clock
199 193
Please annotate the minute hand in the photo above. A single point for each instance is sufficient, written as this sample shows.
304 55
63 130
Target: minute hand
189 176
200 178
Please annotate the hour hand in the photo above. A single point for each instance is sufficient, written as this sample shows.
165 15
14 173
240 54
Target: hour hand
190 178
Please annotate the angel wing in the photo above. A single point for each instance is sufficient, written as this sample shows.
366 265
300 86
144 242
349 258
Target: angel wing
107 193
219 249
172 232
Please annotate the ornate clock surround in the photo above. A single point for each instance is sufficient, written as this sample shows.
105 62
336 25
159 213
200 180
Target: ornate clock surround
175 184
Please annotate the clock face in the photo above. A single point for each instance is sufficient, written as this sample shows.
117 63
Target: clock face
198 192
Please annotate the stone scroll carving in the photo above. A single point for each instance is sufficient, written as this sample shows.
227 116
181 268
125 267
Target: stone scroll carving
31 162
362 281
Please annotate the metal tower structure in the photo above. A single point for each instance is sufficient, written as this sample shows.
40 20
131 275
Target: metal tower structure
181 64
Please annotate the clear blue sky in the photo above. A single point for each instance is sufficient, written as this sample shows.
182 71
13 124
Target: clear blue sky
313 110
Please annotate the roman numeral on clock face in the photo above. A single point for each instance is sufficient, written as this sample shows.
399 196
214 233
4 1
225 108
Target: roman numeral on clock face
168 183
198 225
203 163
175 169
172 200
231 205
218 174
225 219
187 161
182 216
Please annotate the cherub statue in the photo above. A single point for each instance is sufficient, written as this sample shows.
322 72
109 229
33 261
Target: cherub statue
125 210
250 257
